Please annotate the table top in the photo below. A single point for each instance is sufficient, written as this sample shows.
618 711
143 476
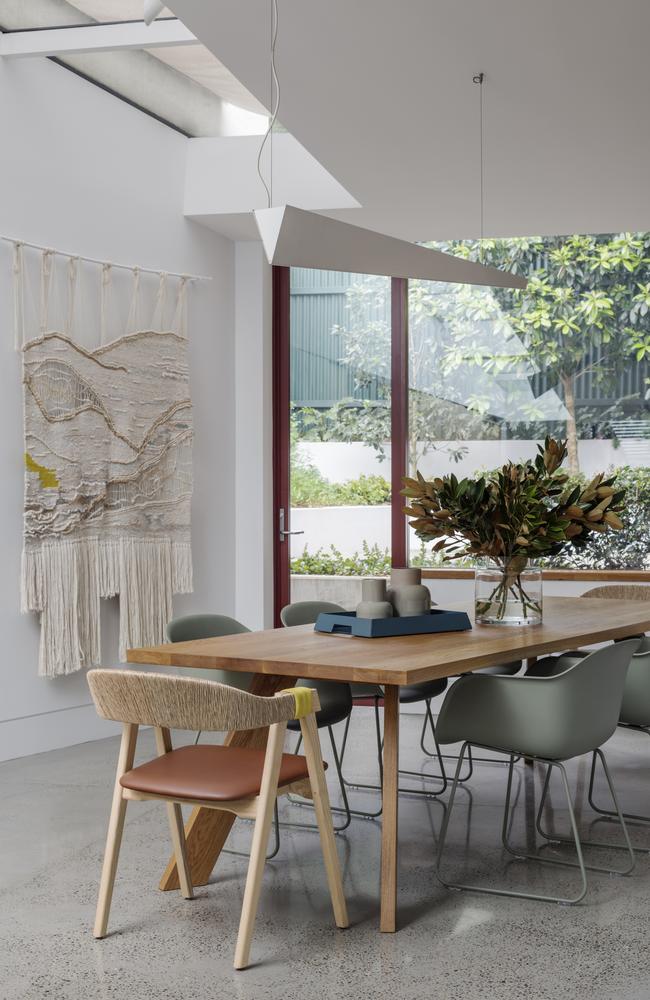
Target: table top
302 652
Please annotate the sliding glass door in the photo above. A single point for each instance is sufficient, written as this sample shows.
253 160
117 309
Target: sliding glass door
334 524
376 378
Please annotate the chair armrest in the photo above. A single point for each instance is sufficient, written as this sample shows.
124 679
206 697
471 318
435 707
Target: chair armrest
514 714
556 717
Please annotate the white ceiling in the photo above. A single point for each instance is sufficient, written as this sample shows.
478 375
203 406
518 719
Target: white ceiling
381 93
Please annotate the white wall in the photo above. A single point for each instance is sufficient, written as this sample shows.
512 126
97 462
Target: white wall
83 171
252 514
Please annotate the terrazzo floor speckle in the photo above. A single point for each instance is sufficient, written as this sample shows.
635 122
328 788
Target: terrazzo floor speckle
450 946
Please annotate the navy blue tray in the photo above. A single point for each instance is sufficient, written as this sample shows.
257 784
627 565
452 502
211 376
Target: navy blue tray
436 620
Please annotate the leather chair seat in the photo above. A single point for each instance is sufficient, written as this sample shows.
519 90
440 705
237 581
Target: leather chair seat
212 773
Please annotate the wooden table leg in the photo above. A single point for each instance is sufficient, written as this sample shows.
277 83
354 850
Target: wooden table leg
389 841
207 830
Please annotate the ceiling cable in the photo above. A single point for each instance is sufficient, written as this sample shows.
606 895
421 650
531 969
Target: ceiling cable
273 108
479 78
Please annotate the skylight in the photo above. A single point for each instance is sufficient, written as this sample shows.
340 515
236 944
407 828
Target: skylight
185 86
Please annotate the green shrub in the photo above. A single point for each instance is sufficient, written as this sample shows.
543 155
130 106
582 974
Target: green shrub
366 491
309 488
372 561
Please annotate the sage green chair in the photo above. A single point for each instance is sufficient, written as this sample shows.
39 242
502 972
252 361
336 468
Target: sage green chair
547 719
306 613
209 626
635 708
335 698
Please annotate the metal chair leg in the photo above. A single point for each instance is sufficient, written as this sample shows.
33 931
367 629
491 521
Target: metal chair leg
555 838
380 762
471 759
347 812
610 813
416 774
504 830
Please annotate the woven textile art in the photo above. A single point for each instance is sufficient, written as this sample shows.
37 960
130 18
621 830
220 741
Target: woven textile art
108 483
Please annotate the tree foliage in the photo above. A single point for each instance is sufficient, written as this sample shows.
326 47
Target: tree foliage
584 292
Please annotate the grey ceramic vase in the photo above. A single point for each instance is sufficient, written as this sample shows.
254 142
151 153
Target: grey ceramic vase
407 593
374 603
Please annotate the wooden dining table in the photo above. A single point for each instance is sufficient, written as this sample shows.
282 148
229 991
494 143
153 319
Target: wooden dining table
277 657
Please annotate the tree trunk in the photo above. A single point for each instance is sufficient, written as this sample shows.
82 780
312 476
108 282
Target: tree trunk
571 429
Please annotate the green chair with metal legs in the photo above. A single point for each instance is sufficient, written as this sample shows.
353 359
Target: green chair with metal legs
306 613
547 719
635 707
208 626
498 670
335 700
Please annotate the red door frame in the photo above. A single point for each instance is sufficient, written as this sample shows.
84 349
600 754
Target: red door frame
399 416
281 285
282 428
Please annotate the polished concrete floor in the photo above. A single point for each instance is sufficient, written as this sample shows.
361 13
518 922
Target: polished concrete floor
450 946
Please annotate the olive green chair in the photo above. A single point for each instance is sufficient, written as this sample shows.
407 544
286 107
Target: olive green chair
548 719
635 708
306 613
208 626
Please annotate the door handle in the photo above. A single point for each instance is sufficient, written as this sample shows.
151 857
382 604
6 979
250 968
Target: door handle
283 531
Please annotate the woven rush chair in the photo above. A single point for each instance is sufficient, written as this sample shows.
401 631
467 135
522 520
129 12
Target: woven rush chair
635 709
551 720
240 780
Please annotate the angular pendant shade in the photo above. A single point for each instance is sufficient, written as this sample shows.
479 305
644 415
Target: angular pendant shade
293 237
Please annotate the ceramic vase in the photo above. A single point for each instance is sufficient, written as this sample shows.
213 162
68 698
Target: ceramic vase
407 593
374 603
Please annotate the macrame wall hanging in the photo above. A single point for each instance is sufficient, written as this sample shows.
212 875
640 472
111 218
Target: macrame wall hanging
108 453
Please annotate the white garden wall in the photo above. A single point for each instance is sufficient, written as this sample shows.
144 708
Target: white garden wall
346 590
340 461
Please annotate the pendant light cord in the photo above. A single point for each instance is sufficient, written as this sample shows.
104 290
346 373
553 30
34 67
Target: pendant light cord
479 78
273 107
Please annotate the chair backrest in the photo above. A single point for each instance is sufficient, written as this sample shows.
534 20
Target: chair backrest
206 626
635 709
183 703
333 695
203 627
306 612
620 592
586 699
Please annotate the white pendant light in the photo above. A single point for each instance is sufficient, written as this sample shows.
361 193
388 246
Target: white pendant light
293 237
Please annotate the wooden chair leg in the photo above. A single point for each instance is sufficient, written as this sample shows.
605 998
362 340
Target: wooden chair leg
264 818
115 828
324 817
176 825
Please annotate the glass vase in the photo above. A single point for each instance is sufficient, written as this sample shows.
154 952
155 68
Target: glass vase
508 593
